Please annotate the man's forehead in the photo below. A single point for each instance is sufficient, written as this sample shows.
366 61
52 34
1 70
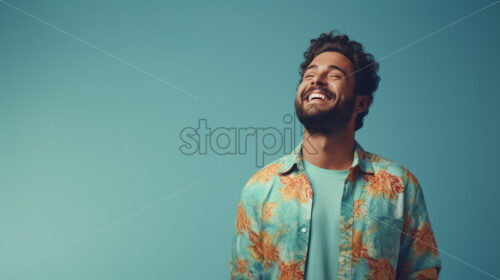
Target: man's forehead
332 58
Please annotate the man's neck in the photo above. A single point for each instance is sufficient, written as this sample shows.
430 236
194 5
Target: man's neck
329 151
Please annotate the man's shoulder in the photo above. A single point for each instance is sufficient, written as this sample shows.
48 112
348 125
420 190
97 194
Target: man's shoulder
260 182
266 174
382 164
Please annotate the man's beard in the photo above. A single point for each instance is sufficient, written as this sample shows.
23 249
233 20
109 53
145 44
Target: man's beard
332 121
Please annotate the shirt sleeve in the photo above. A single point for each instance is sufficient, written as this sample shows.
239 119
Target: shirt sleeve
418 256
246 250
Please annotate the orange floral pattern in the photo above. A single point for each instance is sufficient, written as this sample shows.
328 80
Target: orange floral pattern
242 222
384 184
359 210
425 241
359 250
242 267
430 273
296 187
265 174
290 271
262 248
380 269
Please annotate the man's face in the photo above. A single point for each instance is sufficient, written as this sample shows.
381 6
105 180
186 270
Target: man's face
325 98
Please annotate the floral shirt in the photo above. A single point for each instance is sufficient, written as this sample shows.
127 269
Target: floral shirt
385 231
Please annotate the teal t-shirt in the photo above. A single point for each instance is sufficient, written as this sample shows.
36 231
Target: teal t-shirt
322 256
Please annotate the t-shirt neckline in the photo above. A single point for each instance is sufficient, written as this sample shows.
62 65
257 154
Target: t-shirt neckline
323 171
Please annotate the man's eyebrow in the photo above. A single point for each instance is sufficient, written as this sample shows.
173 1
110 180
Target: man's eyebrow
331 66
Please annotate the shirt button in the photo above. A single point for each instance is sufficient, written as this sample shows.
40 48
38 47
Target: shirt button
303 230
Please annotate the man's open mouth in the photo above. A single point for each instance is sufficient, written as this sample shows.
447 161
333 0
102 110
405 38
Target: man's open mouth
317 95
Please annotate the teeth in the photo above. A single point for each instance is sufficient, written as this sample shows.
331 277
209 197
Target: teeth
316 95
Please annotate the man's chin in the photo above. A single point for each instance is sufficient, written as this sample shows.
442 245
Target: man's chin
315 113
313 110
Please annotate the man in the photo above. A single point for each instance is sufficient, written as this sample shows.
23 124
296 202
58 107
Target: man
330 209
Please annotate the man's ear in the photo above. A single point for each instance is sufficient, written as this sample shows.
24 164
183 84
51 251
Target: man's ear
363 103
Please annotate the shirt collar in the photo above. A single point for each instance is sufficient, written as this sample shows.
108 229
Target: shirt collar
295 159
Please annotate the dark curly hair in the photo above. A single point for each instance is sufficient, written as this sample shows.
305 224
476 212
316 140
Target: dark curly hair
364 64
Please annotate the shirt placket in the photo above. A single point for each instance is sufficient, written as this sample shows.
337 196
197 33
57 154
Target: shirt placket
346 228
304 224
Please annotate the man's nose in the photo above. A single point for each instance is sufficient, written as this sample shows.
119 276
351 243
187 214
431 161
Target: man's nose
319 79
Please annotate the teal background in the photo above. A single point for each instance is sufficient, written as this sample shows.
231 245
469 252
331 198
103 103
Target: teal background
93 184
